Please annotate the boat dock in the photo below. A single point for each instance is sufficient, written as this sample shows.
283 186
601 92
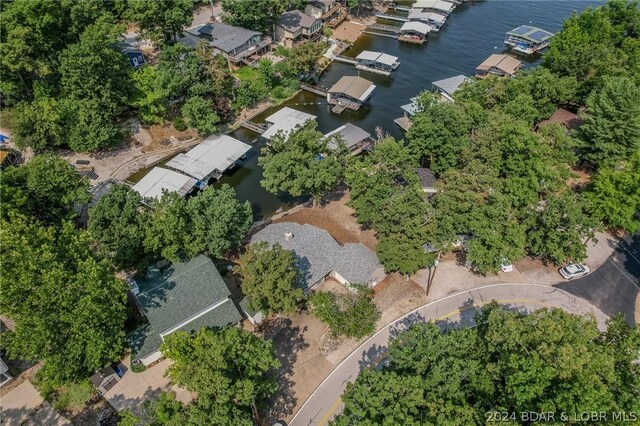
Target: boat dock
400 8
345 59
314 89
383 27
403 122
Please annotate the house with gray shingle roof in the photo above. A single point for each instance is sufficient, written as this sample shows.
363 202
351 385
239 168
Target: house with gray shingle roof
180 297
319 256
295 27
236 44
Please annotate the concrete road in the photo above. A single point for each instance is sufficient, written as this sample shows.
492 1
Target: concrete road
453 310
614 286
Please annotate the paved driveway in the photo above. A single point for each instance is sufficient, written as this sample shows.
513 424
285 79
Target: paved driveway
24 406
134 388
457 309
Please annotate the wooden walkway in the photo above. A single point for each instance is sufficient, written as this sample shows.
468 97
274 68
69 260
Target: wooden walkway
382 27
403 122
314 89
258 128
337 109
392 18
345 59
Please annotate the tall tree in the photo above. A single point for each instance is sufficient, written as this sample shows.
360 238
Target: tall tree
46 188
151 97
611 131
41 124
615 195
117 224
270 276
227 369
68 307
509 362
257 15
302 163
160 21
200 115
169 230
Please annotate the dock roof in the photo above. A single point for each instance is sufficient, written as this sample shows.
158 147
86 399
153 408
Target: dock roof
426 15
160 179
216 153
505 63
285 120
383 58
451 84
351 135
419 27
442 5
318 253
532 34
354 87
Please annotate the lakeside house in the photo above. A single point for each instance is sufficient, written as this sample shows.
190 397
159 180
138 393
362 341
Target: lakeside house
330 12
159 179
377 61
350 92
438 6
448 86
498 65
427 180
319 256
414 32
434 20
295 27
568 119
211 158
528 40
135 55
355 138
285 120
237 44
180 297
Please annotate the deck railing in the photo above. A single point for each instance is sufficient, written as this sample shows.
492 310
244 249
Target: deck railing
266 41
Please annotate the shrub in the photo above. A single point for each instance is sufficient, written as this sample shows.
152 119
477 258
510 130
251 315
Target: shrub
179 124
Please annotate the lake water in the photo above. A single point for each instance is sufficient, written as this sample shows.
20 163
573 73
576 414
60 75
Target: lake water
472 32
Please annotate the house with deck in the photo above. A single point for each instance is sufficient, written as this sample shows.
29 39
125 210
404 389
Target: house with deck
240 46
350 92
434 20
319 256
295 27
330 12
448 86
528 40
498 65
159 180
438 6
284 121
355 138
414 32
179 297
211 158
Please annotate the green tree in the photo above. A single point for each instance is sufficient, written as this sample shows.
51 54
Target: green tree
166 410
151 98
217 69
168 231
200 115
615 195
91 128
611 130
558 233
271 278
257 15
218 222
227 369
40 124
352 314
509 362
397 252
251 92
180 70
160 21
117 223
302 163
47 188
303 58
68 307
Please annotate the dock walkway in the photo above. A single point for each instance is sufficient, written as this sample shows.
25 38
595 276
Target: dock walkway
382 27
258 128
345 59
392 18
403 122
314 89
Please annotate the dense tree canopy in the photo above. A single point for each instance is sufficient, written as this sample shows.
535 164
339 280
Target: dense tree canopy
547 361
160 21
68 307
271 278
257 15
302 163
227 369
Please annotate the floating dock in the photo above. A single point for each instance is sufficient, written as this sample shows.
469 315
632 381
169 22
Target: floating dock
403 122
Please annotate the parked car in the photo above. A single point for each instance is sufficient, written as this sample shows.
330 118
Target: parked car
506 265
574 270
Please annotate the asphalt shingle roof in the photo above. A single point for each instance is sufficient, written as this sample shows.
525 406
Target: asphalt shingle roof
224 37
294 20
318 253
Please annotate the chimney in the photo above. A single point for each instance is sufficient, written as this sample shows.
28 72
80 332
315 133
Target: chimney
288 236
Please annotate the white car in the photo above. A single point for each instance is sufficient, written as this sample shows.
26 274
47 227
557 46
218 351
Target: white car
574 270
506 266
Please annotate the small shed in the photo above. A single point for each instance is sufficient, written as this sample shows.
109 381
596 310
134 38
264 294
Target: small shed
160 179
255 317
210 158
449 86
427 180
414 32
355 138
568 119
104 379
135 55
499 65
285 120
350 92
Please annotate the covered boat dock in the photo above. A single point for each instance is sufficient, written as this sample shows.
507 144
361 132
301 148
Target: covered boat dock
527 40
285 121
448 86
434 20
211 158
377 62
498 65
160 179
414 32
437 6
355 138
350 92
